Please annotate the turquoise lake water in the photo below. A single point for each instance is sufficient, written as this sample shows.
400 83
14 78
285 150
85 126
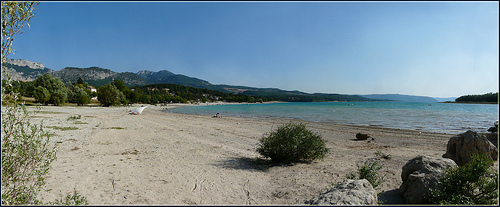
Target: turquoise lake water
429 117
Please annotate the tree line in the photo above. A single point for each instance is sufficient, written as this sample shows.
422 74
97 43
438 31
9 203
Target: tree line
485 98
48 89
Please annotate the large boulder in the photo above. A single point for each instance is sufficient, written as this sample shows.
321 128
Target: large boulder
461 146
419 175
349 192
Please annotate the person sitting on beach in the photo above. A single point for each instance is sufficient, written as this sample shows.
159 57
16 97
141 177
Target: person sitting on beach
217 116
130 112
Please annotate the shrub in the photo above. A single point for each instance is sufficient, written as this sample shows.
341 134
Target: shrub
71 200
26 156
368 171
78 116
292 143
26 150
473 183
383 155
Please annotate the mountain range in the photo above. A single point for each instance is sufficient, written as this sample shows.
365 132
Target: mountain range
25 70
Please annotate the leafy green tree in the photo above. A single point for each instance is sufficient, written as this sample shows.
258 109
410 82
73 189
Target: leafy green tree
82 98
41 94
78 95
27 88
57 89
14 16
79 81
26 152
250 99
120 85
128 95
109 95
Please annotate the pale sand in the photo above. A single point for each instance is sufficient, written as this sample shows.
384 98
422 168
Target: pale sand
160 158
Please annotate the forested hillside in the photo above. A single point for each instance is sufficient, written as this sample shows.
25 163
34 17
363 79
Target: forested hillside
485 98
166 93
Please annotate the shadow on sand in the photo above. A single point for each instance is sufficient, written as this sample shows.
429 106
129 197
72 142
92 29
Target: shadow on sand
244 163
392 197
258 164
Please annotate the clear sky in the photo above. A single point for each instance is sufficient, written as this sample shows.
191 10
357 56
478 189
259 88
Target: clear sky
438 49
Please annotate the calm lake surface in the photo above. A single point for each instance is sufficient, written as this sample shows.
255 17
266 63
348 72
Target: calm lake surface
429 117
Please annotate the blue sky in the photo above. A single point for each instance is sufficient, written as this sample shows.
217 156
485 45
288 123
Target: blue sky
438 49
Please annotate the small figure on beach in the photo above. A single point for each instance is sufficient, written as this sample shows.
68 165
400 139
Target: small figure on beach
130 112
217 116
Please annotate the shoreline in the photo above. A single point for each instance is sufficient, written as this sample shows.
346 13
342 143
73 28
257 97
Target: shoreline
421 130
159 158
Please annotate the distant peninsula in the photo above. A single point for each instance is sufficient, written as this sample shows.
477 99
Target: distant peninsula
488 98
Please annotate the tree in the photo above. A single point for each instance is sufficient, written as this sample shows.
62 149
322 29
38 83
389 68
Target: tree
81 97
79 81
78 95
56 88
120 85
41 94
26 152
109 95
14 16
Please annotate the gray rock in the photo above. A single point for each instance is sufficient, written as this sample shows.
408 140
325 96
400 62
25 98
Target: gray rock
493 138
28 63
419 175
349 192
361 136
461 146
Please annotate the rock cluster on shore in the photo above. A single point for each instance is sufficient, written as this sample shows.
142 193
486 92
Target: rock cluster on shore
419 174
422 173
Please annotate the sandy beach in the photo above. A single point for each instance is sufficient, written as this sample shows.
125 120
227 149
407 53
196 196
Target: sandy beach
160 158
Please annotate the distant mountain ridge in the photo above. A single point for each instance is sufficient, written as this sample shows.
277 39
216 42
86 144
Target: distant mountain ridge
97 76
23 70
165 76
401 98
28 71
